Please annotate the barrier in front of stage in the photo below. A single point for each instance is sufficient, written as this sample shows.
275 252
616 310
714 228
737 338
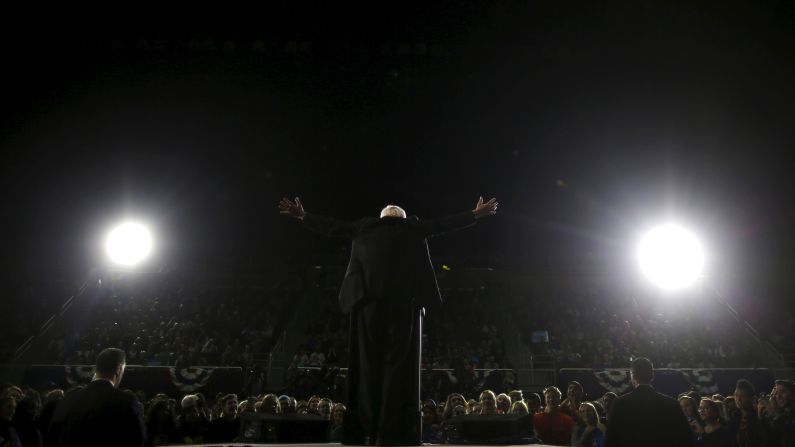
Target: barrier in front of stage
283 428
149 379
668 381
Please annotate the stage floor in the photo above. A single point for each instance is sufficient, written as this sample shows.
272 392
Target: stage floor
323 444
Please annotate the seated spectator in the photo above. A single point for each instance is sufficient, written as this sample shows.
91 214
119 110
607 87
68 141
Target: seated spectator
503 404
574 396
600 411
161 427
713 433
440 407
607 403
694 395
690 409
25 418
226 426
246 406
51 400
324 408
454 407
453 400
730 406
287 404
430 424
488 402
269 404
777 415
201 404
588 432
12 391
552 426
533 402
302 407
722 413
516 396
337 418
744 422
519 407
8 435
312 404
191 425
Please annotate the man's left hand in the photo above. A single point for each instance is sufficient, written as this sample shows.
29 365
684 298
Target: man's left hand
485 209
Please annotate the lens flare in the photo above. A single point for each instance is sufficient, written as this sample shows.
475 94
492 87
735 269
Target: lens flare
128 244
671 257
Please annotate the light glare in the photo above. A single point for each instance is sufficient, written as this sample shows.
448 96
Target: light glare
128 244
671 257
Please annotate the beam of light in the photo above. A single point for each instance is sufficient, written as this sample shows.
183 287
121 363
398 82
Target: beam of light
671 257
128 243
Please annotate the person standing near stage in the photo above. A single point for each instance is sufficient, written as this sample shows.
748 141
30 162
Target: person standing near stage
99 414
646 417
388 281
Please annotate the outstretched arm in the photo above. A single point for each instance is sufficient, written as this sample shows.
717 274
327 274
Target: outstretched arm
324 225
439 226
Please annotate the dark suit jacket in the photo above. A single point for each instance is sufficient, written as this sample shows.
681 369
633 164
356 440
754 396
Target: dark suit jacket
647 418
389 256
98 415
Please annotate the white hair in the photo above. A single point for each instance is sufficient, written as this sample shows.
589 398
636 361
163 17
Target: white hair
189 401
393 211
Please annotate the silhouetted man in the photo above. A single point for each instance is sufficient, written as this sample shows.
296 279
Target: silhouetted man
99 414
388 281
646 417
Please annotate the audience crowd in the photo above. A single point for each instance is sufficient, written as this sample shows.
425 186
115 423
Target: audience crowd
744 419
166 322
448 338
456 357
466 371
325 338
589 327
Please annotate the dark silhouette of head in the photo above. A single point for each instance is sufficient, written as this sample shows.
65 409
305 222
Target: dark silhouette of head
642 371
110 365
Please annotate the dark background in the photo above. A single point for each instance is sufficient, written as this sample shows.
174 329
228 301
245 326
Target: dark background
589 121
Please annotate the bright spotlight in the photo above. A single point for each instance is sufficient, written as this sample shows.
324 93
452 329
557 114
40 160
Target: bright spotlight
671 257
128 244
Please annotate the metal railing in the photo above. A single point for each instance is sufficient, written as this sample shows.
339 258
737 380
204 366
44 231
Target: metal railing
274 358
25 346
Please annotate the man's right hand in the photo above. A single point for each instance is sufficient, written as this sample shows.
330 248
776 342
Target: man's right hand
292 209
